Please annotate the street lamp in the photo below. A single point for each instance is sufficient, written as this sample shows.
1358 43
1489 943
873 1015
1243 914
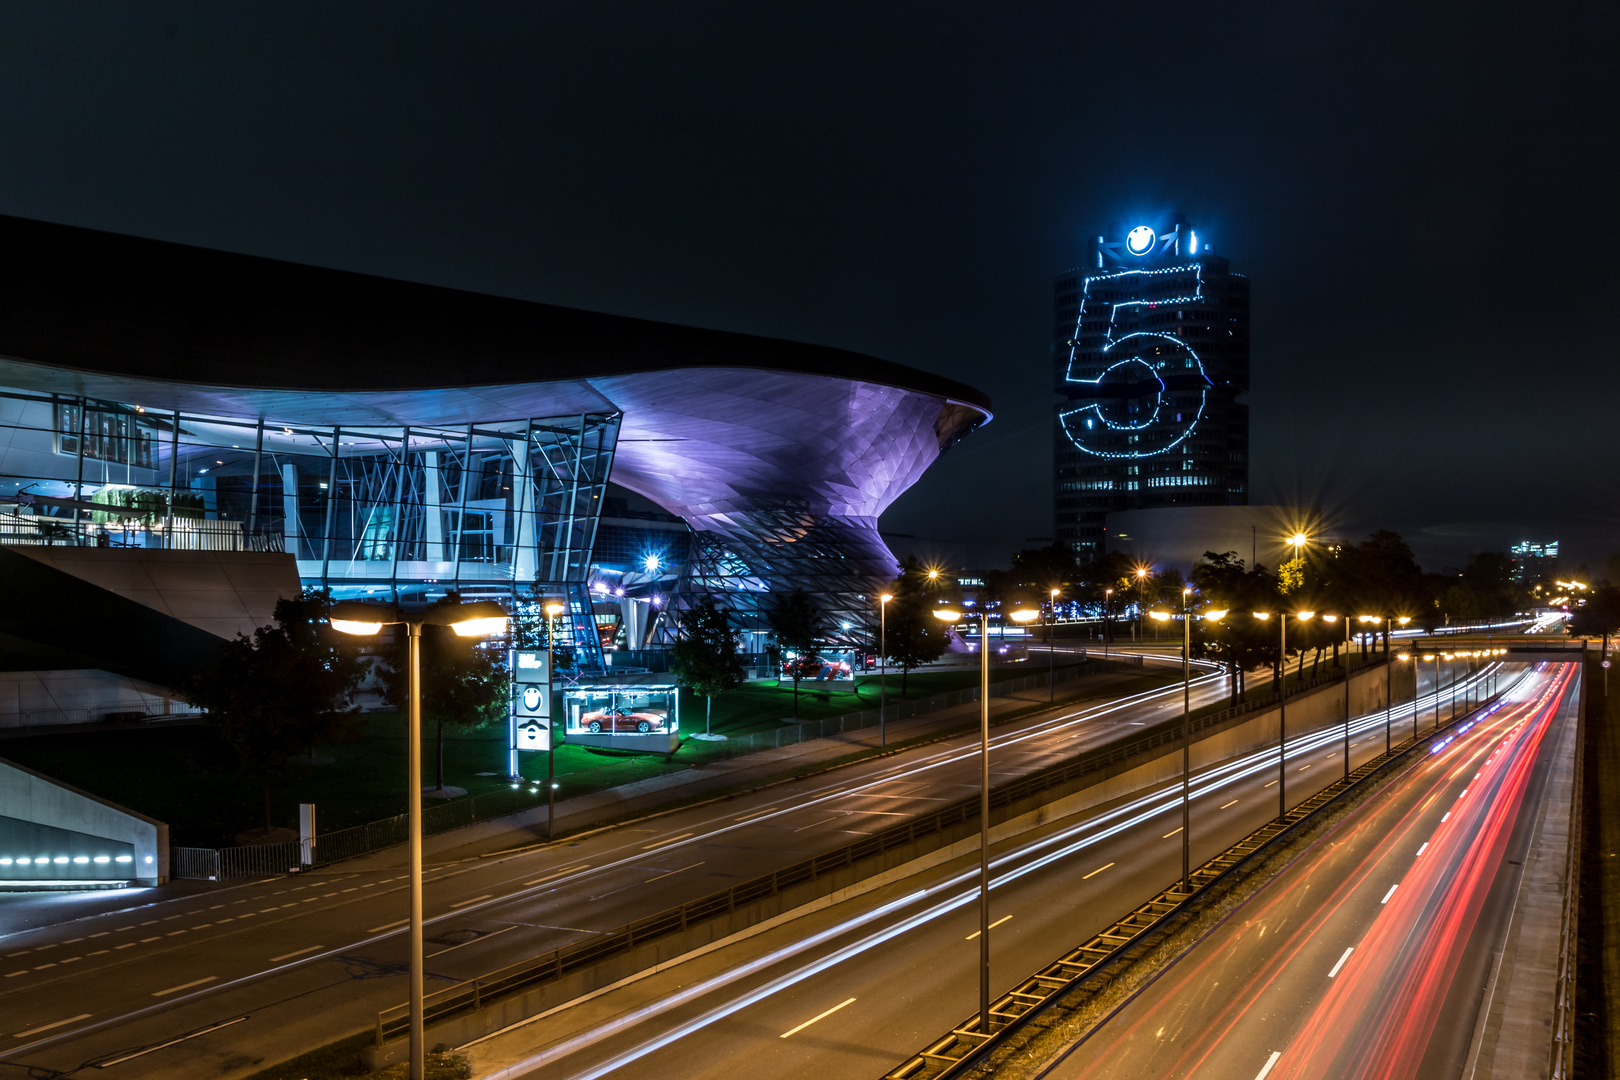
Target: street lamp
478 619
1051 691
1186 728
1282 702
1108 610
951 615
883 666
553 609
1141 587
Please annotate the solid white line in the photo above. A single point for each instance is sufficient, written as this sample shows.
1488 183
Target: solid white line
171 1042
474 900
1391 893
1094 873
1270 1061
47 1027
813 1019
993 925
1342 959
1424 848
185 986
388 926
300 952
558 874
671 840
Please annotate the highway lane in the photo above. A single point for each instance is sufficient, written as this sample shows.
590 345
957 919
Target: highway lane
1345 965
910 967
68 992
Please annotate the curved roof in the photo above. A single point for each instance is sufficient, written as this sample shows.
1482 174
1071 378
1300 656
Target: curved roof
112 305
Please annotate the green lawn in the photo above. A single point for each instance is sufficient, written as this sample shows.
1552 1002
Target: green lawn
185 777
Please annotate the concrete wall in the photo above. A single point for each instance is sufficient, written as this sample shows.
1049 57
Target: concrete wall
31 797
223 592
77 696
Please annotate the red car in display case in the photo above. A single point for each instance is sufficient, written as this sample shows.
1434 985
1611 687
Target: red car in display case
641 721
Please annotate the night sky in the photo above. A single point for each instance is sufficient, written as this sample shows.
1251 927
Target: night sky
1423 196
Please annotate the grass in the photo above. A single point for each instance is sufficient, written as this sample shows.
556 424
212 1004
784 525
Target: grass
184 776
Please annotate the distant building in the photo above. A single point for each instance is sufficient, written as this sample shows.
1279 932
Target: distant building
1151 351
1533 561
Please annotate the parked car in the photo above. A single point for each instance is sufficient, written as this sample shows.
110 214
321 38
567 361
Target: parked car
641 721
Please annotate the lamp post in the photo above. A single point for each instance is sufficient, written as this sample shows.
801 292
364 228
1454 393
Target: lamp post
951 615
883 667
553 609
1051 690
1141 589
1282 702
477 619
1108 608
1186 729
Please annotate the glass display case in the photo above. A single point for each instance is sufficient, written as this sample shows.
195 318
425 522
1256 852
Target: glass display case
627 716
828 665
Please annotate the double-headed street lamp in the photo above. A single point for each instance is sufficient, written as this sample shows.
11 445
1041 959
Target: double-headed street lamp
1282 701
1186 727
951 615
479 619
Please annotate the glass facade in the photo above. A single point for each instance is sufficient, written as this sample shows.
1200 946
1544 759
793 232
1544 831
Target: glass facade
490 509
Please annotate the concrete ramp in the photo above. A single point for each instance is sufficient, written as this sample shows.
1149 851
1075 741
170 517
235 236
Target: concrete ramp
52 832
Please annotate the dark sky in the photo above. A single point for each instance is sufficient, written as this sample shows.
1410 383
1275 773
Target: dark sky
1422 194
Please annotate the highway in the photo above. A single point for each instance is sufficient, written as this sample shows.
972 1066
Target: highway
853 990
1365 958
236 972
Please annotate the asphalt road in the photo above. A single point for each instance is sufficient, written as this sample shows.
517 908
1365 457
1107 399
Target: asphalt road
1365 958
852 991
305 959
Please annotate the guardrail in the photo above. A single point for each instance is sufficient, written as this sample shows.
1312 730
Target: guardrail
472 993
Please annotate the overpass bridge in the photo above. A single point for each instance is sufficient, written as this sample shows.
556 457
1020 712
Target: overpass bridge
1507 648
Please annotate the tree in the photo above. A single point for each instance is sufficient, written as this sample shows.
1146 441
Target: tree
915 637
464 685
282 690
1599 616
796 623
1238 640
704 657
1484 591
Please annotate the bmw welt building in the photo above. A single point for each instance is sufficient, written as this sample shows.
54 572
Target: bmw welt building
194 432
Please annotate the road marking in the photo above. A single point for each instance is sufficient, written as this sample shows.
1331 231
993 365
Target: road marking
1424 848
185 986
1234 802
813 824
1272 784
486 937
129 945
1172 832
756 813
813 1019
290 955
672 873
1446 818
993 925
1476 776
1391 893
14 974
171 1042
1095 872
474 900
47 1027
1462 793
1342 959
557 874
388 926
671 840
1270 1062
42 967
